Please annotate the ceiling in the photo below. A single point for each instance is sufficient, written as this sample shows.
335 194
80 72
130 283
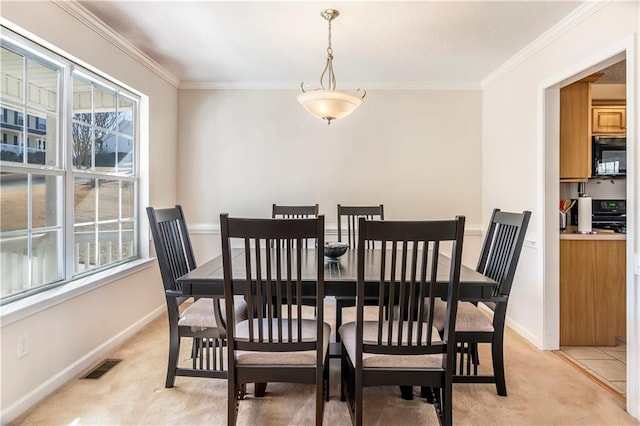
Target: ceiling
614 74
375 44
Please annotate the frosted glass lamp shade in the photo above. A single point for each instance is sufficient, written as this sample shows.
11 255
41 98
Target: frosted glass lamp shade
329 104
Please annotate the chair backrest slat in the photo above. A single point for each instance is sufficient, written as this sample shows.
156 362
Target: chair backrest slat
269 289
407 278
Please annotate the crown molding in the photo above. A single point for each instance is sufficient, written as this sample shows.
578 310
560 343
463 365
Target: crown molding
76 10
581 13
238 85
283 85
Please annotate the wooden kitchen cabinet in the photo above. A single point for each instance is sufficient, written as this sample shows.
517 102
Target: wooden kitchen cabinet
611 120
575 131
592 291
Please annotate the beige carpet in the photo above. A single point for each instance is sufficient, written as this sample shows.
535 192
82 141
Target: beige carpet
543 390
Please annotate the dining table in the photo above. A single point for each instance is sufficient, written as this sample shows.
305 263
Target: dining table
340 276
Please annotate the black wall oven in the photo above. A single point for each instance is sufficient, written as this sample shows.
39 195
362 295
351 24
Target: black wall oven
609 156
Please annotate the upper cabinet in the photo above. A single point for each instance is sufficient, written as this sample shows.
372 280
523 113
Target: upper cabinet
575 131
609 120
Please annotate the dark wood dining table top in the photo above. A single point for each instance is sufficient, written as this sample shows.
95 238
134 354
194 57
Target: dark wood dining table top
340 276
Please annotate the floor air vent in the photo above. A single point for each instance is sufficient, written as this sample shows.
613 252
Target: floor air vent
99 371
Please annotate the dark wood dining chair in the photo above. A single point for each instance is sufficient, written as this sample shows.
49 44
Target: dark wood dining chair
275 343
498 260
295 212
348 217
351 215
202 320
406 350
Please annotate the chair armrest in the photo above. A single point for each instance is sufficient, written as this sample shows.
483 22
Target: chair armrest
173 293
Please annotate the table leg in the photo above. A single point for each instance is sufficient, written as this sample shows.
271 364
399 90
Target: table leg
259 390
406 392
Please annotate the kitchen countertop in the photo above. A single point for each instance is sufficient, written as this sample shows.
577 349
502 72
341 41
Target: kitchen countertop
601 234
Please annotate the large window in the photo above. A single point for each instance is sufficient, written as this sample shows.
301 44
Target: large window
68 171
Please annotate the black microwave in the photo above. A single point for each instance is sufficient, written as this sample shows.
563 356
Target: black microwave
609 156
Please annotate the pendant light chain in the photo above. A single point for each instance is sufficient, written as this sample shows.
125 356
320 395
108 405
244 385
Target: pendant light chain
329 49
329 66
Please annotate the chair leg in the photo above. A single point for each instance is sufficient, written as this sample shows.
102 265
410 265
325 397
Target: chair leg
497 357
174 352
232 401
437 403
447 403
319 401
325 378
428 394
343 374
358 413
406 392
259 390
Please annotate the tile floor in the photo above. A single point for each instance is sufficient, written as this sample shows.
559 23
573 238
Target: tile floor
607 364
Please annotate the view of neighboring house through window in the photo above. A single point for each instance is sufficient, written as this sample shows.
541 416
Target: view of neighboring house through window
68 171
104 179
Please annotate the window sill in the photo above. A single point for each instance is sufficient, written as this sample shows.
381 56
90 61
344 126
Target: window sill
26 307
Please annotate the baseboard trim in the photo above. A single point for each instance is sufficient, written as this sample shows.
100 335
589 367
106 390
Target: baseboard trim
513 325
525 333
76 369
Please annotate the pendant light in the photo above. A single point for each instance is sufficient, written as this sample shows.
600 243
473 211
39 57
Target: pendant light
326 102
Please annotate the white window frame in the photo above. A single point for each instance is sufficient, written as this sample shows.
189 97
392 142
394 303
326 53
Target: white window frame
14 309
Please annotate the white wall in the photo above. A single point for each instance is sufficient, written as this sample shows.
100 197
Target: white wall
512 145
417 152
597 189
78 332
514 158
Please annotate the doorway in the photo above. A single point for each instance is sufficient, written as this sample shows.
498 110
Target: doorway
592 271
550 102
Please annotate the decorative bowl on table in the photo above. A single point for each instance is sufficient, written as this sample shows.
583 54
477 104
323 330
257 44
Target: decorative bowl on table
334 250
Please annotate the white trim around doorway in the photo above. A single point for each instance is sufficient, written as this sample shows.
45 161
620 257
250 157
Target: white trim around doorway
548 166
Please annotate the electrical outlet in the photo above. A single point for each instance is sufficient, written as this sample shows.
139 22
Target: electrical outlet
23 346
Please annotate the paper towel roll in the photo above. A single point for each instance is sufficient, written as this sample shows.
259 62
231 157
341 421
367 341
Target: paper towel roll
584 214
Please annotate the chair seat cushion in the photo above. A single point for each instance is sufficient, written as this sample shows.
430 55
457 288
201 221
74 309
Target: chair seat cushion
468 319
370 334
282 358
199 316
